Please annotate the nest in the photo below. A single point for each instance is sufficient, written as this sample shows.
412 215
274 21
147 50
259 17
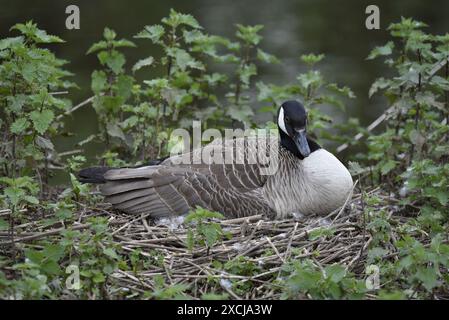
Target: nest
266 243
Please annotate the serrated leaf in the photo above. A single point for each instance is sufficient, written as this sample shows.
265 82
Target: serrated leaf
114 60
115 131
143 63
154 33
124 86
388 166
428 277
381 51
101 45
42 120
45 144
19 126
99 81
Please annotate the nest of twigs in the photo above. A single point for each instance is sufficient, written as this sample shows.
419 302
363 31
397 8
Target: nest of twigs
265 242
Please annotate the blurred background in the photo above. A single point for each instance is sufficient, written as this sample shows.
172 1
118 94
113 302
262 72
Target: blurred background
292 28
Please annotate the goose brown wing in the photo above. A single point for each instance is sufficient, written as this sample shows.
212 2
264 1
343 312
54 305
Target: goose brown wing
243 164
167 191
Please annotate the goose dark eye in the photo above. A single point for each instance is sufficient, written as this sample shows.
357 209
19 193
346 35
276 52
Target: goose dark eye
287 119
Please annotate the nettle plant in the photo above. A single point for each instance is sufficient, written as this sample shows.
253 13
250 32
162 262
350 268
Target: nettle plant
112 88
30 115
188 88
412 151
30 79
315 92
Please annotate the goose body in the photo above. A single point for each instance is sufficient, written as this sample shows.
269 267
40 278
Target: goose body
307 179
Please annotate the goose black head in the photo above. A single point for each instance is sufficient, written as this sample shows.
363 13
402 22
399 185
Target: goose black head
292 124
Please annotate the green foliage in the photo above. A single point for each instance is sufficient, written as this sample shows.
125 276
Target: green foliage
112 88
30 77
205 77
333 282
206 232
411 153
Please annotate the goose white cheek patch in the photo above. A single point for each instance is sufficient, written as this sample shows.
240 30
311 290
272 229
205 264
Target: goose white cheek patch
281 122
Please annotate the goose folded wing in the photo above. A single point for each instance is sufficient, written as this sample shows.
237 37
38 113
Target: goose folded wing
240 164
169 191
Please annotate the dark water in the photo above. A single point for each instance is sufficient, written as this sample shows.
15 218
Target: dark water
335 28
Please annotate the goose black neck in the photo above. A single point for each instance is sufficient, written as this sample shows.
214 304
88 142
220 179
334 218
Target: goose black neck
290 145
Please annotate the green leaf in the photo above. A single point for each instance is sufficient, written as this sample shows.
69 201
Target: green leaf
124 86
311 59
114 60
101 45
10 42
44 143
381 51
42 120
442 196
428 277
110 252
335 272
240 113
109 34
115 131
19 126
99 81
388 166
143 63
266 57
53 252
154 33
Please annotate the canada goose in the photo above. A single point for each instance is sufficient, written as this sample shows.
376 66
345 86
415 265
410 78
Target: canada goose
308 179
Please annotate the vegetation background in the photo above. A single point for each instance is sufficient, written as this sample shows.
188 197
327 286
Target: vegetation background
141 71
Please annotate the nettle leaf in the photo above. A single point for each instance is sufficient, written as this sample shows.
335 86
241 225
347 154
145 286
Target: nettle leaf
10 42
388 166
247 72
115 131
16 103
176 19
379 84
123 43
385 50
154 33
184 60
311 59
101 45
99 81
45 143
19 126
442 196
42 120
114 60
335 272
240 113
428 276
266 57
14 194
312 78
143 63
346 91
124 86
249 34
109 34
